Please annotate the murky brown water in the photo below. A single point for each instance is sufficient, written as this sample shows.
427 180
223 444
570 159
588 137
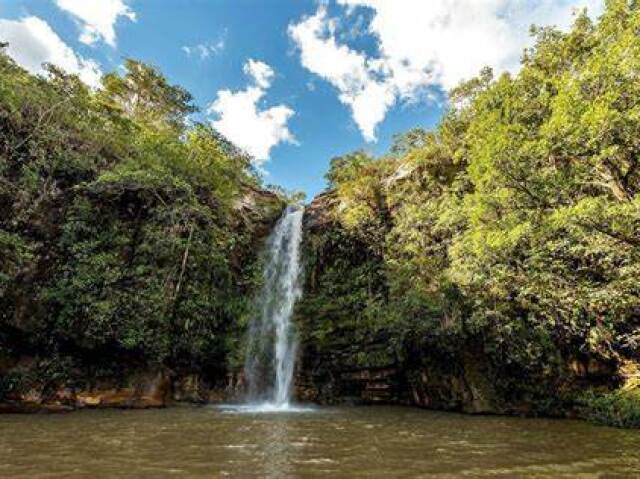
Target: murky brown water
381 442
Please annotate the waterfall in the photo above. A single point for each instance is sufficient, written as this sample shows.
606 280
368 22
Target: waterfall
271 343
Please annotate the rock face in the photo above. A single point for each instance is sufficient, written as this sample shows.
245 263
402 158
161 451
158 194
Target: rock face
144 389
318 215
258 209
455 384
150 389
140 390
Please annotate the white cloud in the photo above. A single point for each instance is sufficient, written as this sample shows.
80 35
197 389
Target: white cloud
32 42
261 73
366 85
456 38
205 50
421 44
97 18
243 122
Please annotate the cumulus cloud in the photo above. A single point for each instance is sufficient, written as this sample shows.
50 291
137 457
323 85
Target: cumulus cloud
97 18
456 38
241 119
261 73
421 44
32 42
349 71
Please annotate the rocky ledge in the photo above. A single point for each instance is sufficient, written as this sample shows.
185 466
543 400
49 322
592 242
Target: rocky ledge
154 388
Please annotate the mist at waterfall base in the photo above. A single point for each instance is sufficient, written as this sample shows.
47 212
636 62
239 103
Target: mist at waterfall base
271 339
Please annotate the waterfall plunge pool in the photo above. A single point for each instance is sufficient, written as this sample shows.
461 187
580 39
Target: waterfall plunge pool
265 407
345 442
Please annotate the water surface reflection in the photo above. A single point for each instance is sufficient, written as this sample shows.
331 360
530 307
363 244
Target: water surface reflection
383 442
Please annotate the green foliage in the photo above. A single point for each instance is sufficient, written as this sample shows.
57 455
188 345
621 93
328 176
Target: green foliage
619 408
516 221
143 93
16 253
120 230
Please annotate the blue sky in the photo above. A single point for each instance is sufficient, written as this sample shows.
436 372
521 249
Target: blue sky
293 82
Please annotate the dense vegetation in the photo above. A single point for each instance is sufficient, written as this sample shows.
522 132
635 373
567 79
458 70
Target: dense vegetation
512 228
495 258
127 235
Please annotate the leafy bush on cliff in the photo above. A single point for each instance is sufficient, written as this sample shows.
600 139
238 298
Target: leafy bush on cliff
619 408
516 221
121 233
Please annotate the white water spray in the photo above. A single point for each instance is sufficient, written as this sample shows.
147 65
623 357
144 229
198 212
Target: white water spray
272 344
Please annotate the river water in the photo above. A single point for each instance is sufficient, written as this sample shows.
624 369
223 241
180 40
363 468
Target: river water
367 442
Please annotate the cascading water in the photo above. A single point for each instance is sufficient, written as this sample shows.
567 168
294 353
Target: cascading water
271 347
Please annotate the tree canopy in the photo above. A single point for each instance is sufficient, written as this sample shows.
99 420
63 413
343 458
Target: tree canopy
517 219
